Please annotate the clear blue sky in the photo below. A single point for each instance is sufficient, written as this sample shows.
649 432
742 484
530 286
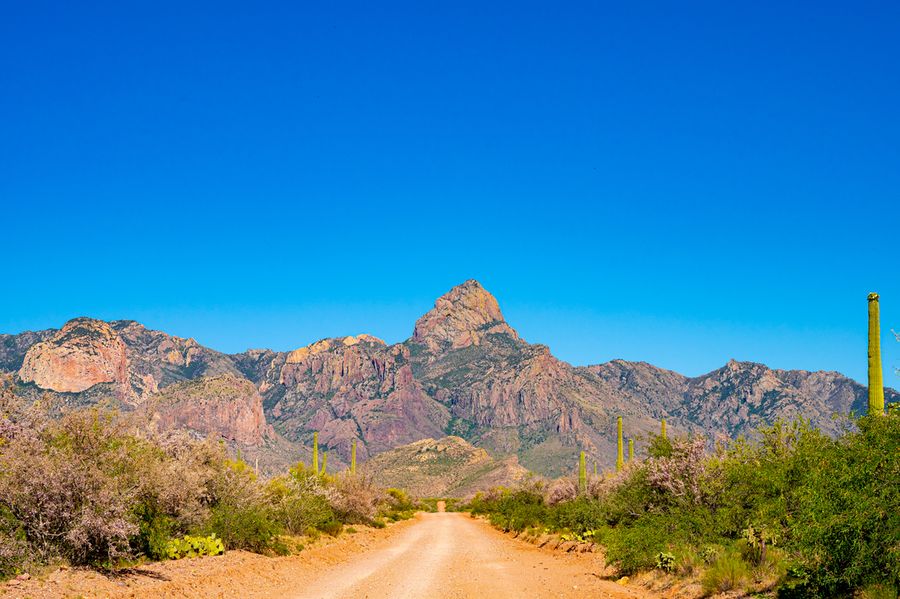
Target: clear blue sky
675 182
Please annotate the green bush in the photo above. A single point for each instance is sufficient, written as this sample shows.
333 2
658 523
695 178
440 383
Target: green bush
512 510
634 548
579 516
727 573
250 527
190 546
830 506
332 527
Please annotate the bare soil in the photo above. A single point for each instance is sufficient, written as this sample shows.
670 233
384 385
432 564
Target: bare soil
441 555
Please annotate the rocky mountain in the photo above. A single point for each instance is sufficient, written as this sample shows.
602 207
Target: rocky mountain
464 371
448 467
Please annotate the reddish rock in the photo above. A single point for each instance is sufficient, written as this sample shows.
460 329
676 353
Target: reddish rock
84 353
461 317
226 406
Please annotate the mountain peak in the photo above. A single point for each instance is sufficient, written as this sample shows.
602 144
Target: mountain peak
461 317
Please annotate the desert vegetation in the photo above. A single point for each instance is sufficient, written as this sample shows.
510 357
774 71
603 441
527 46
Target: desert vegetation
789 510
98 488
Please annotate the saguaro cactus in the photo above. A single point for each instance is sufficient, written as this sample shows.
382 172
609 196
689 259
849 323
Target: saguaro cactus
876 383
582 475
324 462
353 458
630 450
620 454
315 457
662 428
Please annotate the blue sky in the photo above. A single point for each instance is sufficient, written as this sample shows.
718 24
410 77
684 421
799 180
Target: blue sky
675 182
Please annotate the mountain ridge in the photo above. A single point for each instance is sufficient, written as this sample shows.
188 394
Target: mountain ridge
464 371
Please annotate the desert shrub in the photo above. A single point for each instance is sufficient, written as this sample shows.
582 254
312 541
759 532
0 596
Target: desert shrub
579 516
355 499
821 515
513 510
562 490
299 502
849 510
398 500
332 527
634 548
728 572
240 515
194 546
70 486
679 477
13 546
397 506
244 526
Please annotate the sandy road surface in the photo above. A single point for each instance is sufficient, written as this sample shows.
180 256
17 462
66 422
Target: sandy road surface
453 556
443 555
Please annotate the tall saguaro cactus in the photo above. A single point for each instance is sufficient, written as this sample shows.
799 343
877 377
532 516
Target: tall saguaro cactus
324 462
662 428
876 383
582 475
630 450
620 454
353 458
315 457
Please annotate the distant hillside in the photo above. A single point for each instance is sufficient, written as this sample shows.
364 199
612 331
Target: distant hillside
448 467
463 372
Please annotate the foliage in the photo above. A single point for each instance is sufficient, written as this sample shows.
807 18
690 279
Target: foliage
99 488
192 546
728 572
790 507
355 499
300 500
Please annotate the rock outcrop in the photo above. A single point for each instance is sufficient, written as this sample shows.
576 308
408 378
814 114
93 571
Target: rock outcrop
460 318
226 406
84 353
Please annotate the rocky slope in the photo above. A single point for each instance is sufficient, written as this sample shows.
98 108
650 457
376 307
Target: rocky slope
227 406
464 371
448 467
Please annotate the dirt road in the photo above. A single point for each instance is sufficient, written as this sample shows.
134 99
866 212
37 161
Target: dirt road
450 555
443 555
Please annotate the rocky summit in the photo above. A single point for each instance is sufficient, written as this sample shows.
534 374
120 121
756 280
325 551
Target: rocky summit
463 372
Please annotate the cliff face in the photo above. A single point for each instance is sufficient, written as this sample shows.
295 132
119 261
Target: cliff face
84 353
464 371
226 406
351 388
